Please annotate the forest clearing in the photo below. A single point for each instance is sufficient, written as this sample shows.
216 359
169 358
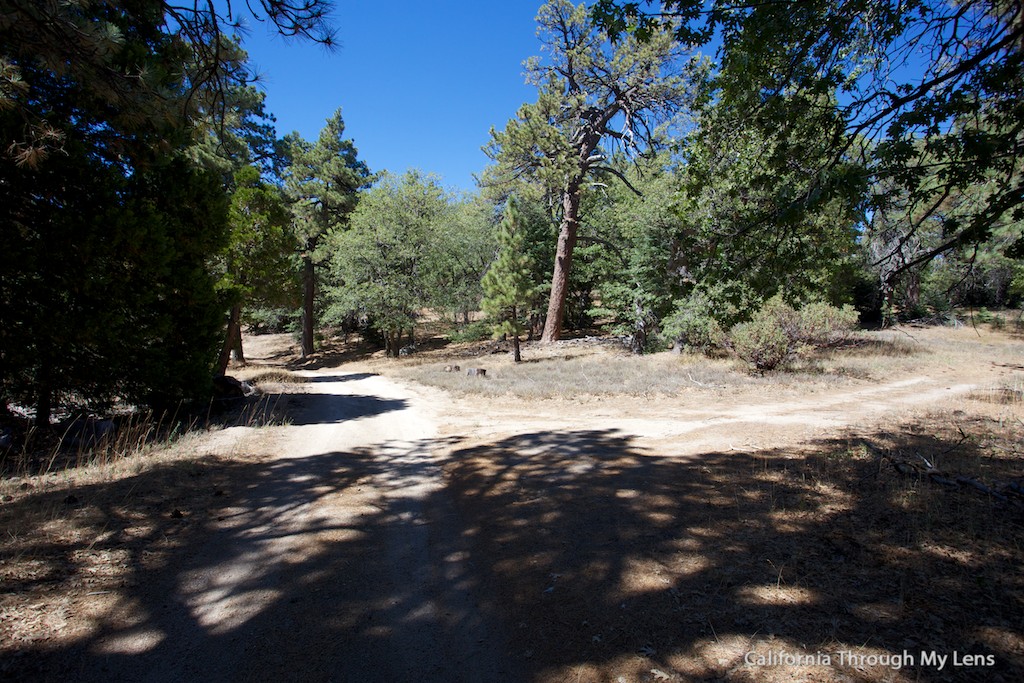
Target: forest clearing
366 529
634 341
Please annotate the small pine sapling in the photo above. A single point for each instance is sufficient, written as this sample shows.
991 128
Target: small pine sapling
508 286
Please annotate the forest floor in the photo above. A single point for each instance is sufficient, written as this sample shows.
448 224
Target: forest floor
583 516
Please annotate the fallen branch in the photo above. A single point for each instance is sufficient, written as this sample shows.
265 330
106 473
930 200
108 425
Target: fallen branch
974 483
911 469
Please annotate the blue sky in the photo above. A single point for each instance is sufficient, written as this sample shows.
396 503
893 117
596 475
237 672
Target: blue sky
420 84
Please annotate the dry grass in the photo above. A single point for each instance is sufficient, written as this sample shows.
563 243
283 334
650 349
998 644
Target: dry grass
610 561
651 568
596 367
76 531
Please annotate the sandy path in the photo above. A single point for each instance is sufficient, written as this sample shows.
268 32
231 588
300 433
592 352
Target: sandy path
340 558
695 425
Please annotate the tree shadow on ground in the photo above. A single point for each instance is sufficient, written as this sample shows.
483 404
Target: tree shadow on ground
548 557
255 571
614 561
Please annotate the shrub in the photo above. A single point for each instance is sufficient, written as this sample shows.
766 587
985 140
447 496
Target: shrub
778 333
763 343
823 325
692 325
472 332
272 320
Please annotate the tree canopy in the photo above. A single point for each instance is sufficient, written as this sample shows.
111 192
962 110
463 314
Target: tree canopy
508 284
323 180
381 264
928 92
118 151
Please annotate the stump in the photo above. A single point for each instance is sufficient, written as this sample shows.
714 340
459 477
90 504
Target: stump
452 368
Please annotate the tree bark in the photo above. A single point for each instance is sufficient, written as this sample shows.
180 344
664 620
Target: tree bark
563 263
238 353
232 340
309 291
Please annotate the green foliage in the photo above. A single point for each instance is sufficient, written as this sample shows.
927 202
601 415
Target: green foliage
508 284
593 97
137 66
380 265
694 324
763 343
106 294
271 320
823 325
472 332
636 238
234 130
106 290
323 181
939 132
465 246
258 263
758 209
778 333
540 229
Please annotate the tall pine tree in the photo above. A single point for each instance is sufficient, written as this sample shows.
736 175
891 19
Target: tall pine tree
323 181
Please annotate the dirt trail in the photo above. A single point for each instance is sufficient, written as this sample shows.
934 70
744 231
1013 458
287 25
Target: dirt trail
340 558
688 426
333 549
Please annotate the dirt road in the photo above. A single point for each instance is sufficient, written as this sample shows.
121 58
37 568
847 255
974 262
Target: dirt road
392 533
339 559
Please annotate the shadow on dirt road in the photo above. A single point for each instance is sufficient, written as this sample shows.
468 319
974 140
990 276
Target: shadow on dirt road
537 557
338 565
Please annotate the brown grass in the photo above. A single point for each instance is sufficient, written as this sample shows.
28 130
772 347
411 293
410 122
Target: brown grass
598 367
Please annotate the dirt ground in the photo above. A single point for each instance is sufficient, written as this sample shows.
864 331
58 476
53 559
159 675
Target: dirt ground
768 530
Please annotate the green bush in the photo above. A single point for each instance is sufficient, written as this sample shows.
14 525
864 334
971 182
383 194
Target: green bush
763 343
693 326
474 331
824 325
272 320
778 333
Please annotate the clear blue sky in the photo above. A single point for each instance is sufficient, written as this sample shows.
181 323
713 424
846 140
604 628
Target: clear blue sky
420 84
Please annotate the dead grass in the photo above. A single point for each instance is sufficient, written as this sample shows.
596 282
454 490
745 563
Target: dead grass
600 367
610 561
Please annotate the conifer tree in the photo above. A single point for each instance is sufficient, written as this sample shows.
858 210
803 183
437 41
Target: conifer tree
323 182
594 98
508 287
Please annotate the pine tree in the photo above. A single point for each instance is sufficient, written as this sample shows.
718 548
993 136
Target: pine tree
508 287
323 181
594 98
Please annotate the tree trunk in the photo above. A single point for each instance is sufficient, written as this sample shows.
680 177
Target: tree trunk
888 300
563 262
639 342
44 399
309 290
232 339
238 353
516 356
392 343
913 289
